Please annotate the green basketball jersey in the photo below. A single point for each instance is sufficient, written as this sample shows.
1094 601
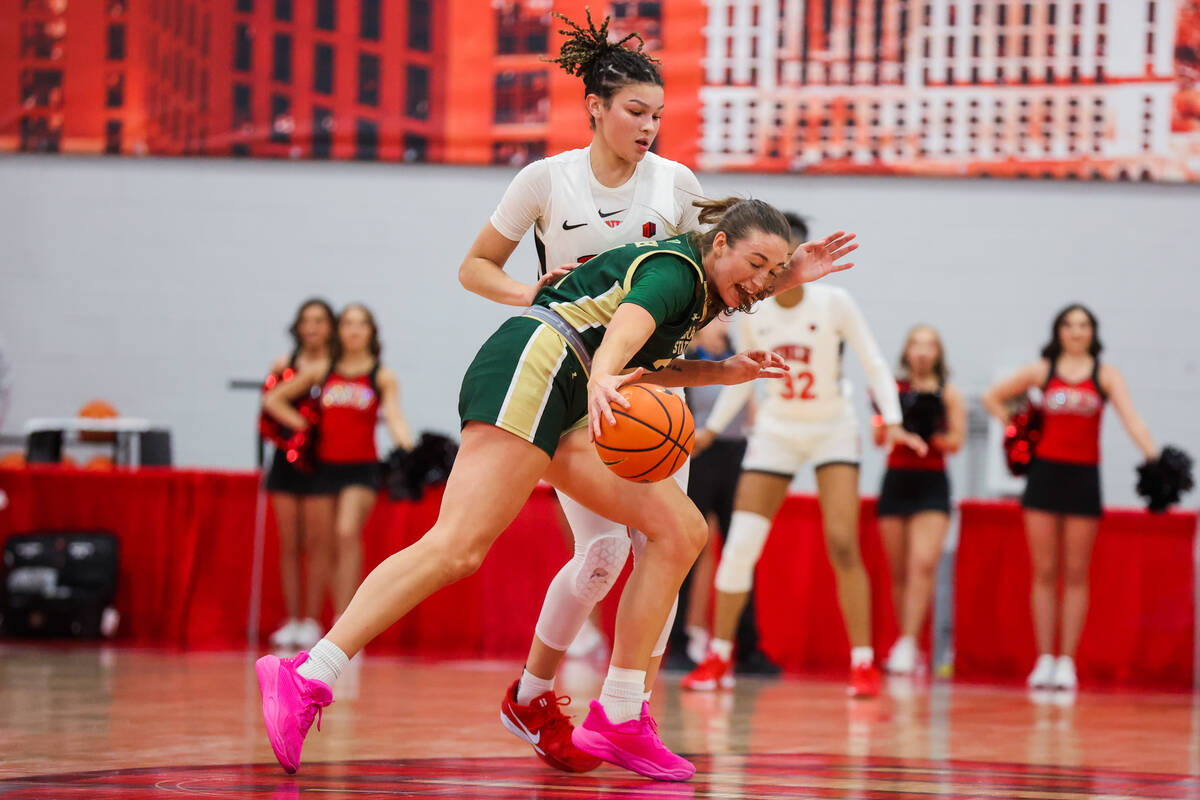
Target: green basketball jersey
664 277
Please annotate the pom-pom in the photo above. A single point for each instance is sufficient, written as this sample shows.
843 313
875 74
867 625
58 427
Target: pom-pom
427 464
1163 480
924 413
1021 435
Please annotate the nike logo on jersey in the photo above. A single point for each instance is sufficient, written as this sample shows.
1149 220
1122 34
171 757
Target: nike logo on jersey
567 227
609 213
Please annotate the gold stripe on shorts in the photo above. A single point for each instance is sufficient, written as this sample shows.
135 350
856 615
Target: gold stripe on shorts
532 382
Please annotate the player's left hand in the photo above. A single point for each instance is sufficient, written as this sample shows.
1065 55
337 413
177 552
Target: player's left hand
603 394
816 259
752 364
897 435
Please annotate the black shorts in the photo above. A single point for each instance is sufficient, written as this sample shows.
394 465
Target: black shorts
1062 488
332 478
283 477
910 491
714 476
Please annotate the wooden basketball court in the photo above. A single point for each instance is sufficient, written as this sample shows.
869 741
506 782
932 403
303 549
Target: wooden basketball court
98 723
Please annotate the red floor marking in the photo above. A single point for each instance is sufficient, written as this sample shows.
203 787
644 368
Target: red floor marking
754 776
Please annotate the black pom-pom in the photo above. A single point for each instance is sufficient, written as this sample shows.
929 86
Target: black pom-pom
924 413
427 464
1163 480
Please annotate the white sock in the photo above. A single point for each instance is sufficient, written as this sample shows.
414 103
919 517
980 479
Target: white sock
861 655
906 642
325 663
722 648
621 696
531 686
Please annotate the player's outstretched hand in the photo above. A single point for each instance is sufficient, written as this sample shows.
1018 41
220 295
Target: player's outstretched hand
897 435
816 259
752 364
553 276
603 394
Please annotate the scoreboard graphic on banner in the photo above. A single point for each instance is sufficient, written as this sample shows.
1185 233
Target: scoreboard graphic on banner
1091 89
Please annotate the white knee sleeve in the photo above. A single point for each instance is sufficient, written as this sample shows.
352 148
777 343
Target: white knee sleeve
660 646
743 546
601 548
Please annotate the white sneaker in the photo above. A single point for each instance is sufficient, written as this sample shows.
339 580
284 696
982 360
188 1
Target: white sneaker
902 658
307 633
1064 674
697 644
1042 676
286 635
588 640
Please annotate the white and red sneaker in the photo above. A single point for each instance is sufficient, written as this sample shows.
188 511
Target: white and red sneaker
713 673
544 726
865 681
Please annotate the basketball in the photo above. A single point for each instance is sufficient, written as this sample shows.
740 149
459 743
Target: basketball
651 439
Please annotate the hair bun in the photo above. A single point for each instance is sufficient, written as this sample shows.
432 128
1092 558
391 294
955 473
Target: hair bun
586 47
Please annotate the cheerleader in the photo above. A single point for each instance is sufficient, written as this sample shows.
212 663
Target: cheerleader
914 501
352 395
1062 491
298 513
807 417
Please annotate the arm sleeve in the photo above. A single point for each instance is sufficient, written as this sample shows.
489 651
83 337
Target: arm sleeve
731 399
524 201
883 385
663 285
729 403
687 189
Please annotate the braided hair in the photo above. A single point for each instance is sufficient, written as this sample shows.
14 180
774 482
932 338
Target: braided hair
605 67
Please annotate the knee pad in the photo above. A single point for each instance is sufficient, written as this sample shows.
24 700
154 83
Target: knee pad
599 565
743 546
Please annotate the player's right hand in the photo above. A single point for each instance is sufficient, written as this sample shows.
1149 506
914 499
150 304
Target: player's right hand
553 276
603 394
704 437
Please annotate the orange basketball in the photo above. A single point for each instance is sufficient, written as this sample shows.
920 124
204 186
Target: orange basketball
651 439
97 409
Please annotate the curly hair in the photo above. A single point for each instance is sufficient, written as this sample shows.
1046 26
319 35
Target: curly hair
605 67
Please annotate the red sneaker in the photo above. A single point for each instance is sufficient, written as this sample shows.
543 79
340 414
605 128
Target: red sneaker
713 672
864 681
547 729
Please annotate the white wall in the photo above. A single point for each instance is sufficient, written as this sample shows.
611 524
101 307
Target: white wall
151 283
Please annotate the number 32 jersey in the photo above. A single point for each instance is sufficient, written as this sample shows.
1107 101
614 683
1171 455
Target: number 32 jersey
810 336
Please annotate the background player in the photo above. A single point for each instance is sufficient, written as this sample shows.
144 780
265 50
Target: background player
807 417
914 501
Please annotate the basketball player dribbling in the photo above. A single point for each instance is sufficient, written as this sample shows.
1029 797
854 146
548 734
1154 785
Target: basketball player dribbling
534 395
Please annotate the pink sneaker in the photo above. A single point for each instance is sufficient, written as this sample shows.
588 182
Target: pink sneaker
633 745
290 704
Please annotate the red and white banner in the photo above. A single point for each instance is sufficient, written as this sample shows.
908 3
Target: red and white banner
1089 89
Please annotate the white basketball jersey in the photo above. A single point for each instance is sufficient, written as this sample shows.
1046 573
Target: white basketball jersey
809 337
573 228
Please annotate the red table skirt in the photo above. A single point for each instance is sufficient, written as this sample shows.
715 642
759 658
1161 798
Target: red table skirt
187 545
1141 615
